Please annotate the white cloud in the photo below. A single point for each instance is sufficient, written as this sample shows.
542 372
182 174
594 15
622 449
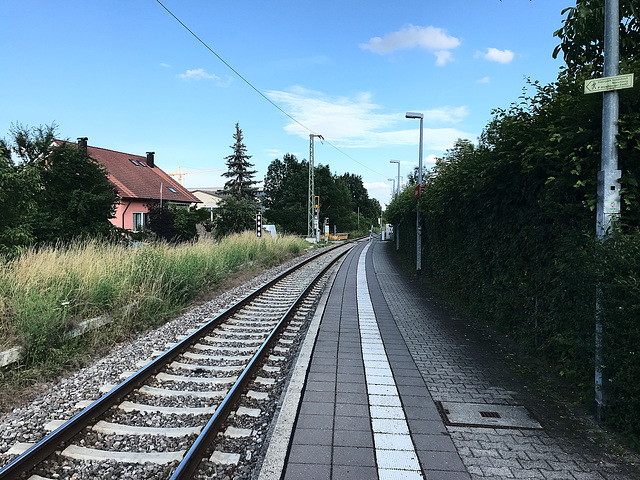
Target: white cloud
273 153
358 122
484 80
495 55
165 65
200 74
429 38
379 190
339 118
433 138
446 114
443 57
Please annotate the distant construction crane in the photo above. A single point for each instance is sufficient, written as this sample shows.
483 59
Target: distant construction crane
181 173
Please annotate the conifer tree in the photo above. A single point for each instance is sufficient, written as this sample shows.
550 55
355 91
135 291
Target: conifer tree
241 183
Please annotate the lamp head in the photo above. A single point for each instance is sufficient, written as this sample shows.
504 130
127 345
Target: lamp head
394 161
414 115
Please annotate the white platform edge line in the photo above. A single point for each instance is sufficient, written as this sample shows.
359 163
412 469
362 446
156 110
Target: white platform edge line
373 338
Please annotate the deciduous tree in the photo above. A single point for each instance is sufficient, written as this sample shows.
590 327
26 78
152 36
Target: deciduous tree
74 198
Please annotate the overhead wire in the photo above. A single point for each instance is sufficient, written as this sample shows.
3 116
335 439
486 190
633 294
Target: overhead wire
257 90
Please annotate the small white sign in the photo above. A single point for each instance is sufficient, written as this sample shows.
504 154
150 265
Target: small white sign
607 84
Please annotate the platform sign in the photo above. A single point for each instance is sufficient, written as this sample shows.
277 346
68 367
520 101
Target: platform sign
606 84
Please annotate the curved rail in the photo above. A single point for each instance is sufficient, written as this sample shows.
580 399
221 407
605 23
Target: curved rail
28 460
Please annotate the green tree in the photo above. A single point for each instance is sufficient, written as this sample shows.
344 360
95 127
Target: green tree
582 35
74 198
286 194
335 200
369 210
17 188
241 183
236 212
175 223
234 216
161 221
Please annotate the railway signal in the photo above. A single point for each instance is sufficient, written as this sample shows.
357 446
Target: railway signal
259 225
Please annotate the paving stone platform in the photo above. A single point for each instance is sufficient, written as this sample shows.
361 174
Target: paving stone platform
391 392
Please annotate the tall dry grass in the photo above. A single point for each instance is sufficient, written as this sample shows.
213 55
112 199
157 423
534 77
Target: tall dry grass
44 292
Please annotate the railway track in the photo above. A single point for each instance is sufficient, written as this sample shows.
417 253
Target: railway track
166 419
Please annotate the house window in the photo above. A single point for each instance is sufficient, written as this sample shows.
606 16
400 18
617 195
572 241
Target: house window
140 220
171 189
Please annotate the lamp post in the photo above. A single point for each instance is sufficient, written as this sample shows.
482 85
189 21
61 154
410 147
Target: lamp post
418 227
398 184
396 231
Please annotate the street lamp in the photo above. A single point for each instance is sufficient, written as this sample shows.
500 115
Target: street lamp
393 189
398 184
418 227
396 229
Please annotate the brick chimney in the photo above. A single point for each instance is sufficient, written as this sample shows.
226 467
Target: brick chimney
151 159
82 144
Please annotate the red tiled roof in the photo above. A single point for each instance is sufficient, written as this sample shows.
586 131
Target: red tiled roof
135 179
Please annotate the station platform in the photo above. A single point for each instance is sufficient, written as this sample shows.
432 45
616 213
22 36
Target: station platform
365 411
383 389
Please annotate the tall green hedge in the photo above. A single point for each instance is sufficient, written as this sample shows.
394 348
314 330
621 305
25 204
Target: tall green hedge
509 227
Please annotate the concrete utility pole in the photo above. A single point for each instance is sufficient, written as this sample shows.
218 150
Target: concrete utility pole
311 218
608 204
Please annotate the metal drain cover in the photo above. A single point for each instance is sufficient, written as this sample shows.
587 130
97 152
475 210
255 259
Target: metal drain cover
486 415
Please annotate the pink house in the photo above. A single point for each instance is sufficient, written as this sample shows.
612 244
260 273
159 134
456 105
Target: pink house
138 181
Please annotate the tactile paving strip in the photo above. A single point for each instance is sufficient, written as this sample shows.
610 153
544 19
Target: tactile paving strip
395 454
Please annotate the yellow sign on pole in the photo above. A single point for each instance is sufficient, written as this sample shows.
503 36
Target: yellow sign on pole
607 84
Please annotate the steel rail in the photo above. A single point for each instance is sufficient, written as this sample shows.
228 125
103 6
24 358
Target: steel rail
191 461
57 439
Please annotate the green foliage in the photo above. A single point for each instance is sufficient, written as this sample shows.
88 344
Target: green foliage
286 194
335 199
286 188
174 223
45 292
17 187
509 225
240 184
56 192
161 221
185 221
370 209
619 274
582 34
234 216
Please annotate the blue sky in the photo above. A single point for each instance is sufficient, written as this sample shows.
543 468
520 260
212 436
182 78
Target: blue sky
127 75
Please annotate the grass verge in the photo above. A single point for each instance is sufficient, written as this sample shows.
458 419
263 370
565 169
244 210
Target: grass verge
45 293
